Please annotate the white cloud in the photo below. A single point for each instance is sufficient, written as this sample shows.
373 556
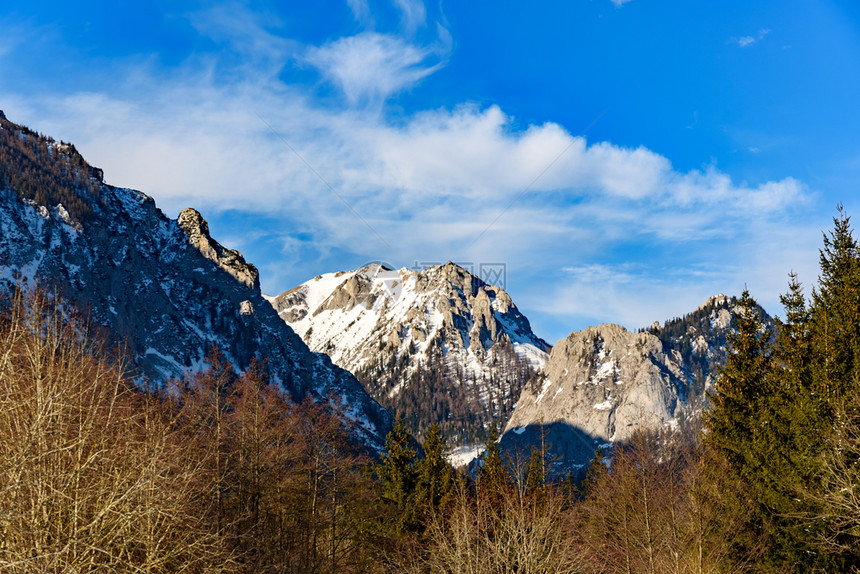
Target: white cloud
245 33
360 9
429 186
413 13
620 3
615 293
640 291
370 67
745 41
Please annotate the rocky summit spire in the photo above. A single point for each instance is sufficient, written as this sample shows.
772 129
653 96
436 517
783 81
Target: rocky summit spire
230 260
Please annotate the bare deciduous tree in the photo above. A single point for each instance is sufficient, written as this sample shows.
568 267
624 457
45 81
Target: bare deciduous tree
93 480
513 533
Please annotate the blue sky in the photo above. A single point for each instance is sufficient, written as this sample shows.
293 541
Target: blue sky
625 160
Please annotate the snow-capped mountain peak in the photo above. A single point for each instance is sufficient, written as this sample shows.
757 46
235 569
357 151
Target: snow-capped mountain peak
412 336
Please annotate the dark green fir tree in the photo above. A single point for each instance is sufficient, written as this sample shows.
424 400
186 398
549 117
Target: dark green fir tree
435 475
399 475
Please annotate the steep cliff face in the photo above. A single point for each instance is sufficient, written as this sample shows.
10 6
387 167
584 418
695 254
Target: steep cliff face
604 383
164 287
599 386
439 345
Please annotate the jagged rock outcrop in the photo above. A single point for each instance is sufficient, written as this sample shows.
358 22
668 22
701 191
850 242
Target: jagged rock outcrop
439 344
700 338
230 260
164 288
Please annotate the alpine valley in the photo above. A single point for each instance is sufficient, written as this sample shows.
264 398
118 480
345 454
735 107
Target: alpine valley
438 345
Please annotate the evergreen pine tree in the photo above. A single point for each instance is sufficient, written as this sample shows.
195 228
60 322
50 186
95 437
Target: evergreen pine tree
735 425
783 457
775 404
835 316
536 470
834 367
399 475
782 452
435 475
492 476
732 421
595 472
535 473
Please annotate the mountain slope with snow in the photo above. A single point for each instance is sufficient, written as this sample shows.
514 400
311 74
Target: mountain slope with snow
439 345
164 287
599 386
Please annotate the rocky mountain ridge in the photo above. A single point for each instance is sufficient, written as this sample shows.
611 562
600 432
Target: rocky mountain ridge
437 344
164 287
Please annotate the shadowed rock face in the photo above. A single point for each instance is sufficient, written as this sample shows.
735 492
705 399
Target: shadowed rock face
439 344
169 291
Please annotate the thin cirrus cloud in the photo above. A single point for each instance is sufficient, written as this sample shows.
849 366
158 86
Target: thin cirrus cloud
458 167
360 10
253 46
370 67
412 14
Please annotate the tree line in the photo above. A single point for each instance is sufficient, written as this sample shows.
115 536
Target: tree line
431 389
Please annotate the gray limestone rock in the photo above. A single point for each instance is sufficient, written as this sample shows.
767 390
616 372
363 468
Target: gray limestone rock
230 260
604 383
599 386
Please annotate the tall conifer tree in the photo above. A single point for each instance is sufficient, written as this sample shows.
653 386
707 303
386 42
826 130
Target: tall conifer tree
743 382
492 476
776 403
435 475
835 315
399 475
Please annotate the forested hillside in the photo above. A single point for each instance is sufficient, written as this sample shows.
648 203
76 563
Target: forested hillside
47 172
